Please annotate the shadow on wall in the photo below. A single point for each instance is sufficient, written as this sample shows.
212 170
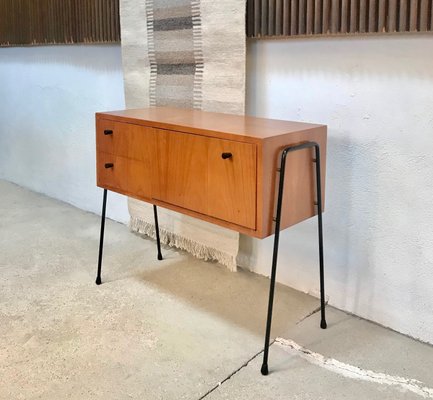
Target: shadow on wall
376 95
350 181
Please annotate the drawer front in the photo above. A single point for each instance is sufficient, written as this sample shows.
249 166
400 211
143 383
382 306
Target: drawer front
113 178
232 183
126 140
192 173
124 175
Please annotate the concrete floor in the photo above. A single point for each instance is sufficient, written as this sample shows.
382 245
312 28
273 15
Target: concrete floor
173 329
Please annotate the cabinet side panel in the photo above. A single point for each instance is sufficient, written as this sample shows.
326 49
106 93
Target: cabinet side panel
299 184
262 185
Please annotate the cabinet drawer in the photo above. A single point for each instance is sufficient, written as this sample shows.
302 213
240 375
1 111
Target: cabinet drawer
123 139
124 175
192 173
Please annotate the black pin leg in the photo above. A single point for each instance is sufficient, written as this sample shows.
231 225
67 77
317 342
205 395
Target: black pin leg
265 369
101 238
158 241
323 324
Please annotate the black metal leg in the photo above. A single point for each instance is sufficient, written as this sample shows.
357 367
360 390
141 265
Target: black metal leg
265 369
101 238
323 324
158 241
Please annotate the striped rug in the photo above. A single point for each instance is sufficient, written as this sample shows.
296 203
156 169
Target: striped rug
175 53
189 54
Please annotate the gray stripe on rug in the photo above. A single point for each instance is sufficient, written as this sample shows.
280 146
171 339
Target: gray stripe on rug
172 24
172 12
176 69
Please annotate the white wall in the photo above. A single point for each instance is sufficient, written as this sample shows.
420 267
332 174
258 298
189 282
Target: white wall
376 96
49 96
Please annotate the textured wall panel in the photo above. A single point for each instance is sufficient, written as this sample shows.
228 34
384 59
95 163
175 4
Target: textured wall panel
34 22
332 17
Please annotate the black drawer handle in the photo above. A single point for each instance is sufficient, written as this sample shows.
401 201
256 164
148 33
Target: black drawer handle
109 165
108 132
226 155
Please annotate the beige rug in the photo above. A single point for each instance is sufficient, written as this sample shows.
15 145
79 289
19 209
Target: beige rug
190 54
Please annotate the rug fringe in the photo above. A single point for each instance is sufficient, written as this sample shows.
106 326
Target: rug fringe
172 239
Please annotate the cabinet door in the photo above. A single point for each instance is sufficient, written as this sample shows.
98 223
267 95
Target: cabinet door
232 182
191 173
181 170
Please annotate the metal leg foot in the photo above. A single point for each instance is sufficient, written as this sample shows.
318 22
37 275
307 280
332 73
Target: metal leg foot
101 238
158 241
264 369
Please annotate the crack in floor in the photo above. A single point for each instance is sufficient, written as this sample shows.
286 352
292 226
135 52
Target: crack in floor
219 384
317 309
308 315
234 372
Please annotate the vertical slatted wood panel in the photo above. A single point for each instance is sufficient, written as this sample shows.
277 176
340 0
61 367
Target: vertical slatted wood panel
310 21
323 17
344 22
403 16
391 16
264 17
286 18
279 17
294 17
301 17
35 22
423 15
326 16
381 16
318 16
335 16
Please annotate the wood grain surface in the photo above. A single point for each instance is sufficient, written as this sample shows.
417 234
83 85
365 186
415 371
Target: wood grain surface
225 126
173 158
232 182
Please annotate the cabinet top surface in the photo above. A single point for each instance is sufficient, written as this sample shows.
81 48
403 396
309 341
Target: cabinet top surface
196 121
